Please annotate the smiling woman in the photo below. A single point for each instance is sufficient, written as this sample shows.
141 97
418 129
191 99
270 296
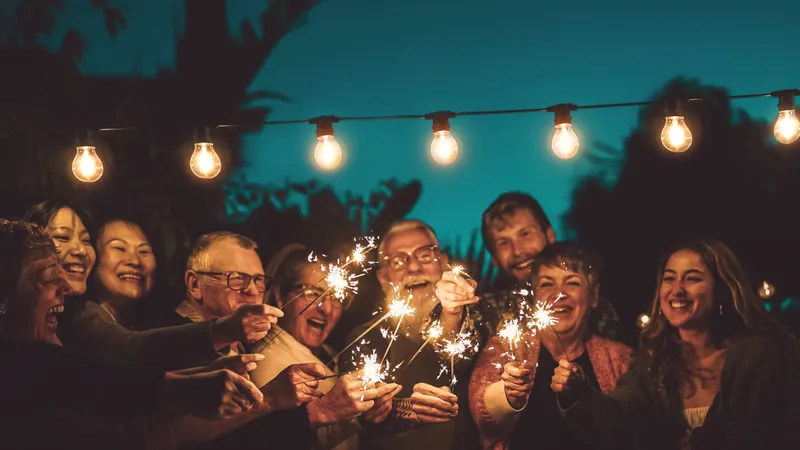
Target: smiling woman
125 267
298 283
71 230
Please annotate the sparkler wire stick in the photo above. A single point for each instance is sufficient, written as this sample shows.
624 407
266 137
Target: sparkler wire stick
396 329
371 327
320 281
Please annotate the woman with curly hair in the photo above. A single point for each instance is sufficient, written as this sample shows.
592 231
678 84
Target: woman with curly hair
714 370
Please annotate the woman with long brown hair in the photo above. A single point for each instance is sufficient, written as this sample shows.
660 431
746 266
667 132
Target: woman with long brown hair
714 370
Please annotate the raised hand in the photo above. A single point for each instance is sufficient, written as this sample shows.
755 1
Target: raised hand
247 324
292 387
454 292
517 383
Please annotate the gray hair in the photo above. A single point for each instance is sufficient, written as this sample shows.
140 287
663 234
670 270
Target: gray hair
406 225
199 259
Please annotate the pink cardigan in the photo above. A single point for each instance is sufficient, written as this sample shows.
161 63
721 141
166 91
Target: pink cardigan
491 411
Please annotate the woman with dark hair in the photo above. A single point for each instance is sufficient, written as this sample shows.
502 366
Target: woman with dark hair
511 401
71 229
51 397
714 370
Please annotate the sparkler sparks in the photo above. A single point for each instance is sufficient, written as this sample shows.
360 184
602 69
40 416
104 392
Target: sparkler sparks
372 371
511 333
339 278
461 347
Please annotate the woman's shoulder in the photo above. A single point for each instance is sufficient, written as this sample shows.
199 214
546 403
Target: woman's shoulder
614 348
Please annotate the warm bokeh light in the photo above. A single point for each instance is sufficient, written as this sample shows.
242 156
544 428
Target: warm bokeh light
565 142
205 162
642 320
444 148
676 136
328 153
766 290
787 127
87 166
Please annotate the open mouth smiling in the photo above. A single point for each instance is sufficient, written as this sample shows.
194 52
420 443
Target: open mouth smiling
74 270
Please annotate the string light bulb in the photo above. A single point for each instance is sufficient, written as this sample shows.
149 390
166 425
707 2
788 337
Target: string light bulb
675 136
87 166
766 290
205 162
787 126
565 143
327 152
444 148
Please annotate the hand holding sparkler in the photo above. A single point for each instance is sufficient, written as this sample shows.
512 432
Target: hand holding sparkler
383 406
248 323
295 385
517 383
455 290
568 379
348 399
430 404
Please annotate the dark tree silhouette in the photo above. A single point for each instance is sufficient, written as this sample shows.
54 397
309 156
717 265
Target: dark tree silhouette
46 100
735 183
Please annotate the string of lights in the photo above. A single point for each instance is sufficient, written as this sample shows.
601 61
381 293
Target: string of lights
675 136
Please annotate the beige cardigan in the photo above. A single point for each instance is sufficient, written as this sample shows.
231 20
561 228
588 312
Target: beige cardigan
286 351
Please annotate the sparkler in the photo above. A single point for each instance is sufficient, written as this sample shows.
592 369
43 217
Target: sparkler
397 308
339 279
433 332
540 318
459 347
512 334
402 312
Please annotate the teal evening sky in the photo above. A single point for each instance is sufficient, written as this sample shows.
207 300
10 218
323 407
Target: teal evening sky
376 57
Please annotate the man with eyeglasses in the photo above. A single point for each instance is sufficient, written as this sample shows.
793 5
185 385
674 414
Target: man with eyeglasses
225 282
423 413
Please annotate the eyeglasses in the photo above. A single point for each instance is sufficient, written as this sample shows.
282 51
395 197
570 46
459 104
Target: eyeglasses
311 293
238 281
399 260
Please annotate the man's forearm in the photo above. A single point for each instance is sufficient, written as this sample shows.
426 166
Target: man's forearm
451 321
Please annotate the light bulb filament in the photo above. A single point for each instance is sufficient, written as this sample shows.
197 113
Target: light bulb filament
205 162
87 166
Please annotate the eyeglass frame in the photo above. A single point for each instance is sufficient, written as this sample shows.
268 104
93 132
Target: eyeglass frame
227 275
408 255
318 294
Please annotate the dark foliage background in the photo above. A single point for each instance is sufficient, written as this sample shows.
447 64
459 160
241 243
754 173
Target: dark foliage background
735 182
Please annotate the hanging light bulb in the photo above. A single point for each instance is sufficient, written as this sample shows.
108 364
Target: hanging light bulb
327 152
565 142
787 126
205 162
675 136
766 290
444 148
87 166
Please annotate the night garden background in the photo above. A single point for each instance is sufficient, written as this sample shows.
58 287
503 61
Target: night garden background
167 67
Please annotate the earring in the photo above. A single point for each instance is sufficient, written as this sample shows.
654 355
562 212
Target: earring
659 311
720 309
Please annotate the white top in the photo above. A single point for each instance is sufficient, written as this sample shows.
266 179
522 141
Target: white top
695 416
